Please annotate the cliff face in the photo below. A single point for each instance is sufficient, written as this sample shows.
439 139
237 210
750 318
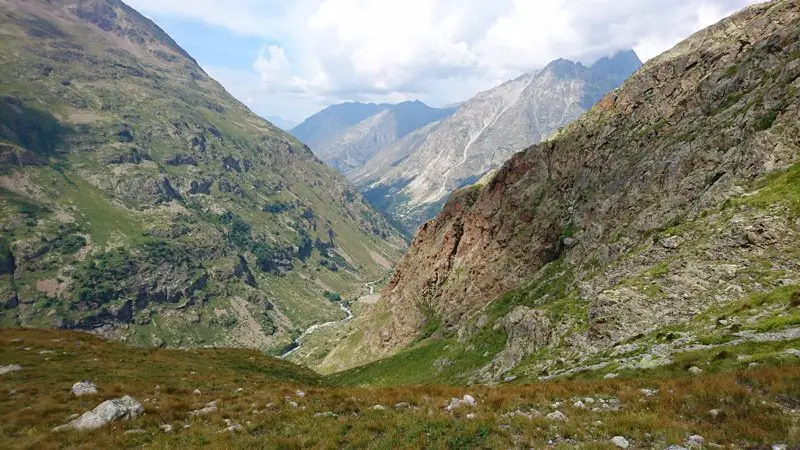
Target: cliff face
683 135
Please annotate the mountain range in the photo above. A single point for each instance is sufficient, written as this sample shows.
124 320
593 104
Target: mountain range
350 148
409 175
630 281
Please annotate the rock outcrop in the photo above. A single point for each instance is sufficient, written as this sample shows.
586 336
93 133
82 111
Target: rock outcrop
125 408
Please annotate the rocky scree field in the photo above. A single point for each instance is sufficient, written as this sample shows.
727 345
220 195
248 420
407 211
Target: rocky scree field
140 201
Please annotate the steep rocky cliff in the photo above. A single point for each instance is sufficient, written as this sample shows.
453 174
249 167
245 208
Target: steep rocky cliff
668 204
140 200
411 179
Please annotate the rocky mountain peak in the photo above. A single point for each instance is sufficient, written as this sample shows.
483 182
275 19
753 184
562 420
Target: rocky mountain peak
619 66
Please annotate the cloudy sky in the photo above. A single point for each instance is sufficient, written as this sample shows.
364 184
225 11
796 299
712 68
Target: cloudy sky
293 57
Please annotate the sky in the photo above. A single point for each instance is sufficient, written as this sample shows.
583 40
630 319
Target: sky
291 58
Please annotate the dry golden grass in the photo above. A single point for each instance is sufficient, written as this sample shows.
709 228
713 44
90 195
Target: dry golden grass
754 405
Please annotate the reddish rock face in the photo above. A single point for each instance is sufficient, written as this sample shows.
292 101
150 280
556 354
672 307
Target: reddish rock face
673 141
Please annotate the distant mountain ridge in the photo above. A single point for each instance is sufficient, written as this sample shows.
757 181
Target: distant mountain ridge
334 119
410 179
347 149
280 122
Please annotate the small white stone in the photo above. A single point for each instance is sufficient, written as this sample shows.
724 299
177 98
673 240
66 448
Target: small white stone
469 400
471 416
610 376
579 404
166 428
84 388
694 370
196 392
779 447
300 394
378 408
695 441
557 415
10 368
620 442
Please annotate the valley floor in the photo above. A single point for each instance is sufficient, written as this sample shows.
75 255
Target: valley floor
262 402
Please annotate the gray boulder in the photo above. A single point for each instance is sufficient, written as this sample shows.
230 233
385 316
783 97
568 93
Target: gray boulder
124 408
84 388
9 368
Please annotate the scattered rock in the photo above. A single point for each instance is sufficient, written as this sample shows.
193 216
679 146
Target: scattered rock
231 426
401 405
648 392
620 442
671 243
714 413
695 441
471 416
325 414
166 428
610 376
124 408
652 361
84 388
196 392
378 408
790 351
676 447
239 390
557 415
300 394
694 370
9 368
779 447
135 431
469 400
208 409
579 404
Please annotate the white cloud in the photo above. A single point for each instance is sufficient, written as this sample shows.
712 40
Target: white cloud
440 51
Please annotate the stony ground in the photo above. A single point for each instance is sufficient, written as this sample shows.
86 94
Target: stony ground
242 399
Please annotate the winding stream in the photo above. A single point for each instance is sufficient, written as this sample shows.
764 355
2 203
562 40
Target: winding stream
299 341
348 315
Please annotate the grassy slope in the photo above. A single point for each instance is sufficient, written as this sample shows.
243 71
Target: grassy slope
753 403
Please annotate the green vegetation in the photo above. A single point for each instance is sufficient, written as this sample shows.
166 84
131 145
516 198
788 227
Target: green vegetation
332 296
765 122
777 188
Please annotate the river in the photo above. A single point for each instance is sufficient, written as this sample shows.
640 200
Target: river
348 315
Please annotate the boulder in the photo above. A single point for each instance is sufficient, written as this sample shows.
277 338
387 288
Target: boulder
10 368
557 415
620 442
84 388
124 408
